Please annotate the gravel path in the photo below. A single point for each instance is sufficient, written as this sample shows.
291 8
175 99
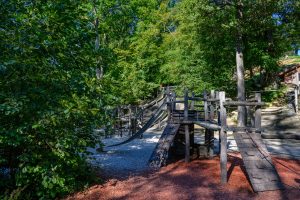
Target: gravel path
132 158
129 158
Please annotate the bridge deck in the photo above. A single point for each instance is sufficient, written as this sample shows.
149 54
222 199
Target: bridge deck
160 154
258 163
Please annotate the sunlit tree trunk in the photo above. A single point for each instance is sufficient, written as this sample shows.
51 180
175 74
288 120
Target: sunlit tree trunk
240 67
99 68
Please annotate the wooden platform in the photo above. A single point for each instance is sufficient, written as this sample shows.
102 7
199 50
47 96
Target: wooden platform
160 154
257 161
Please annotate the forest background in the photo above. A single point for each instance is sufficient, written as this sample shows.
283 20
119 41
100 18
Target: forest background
65 65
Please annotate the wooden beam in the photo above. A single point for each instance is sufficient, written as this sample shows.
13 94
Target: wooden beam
223 138
243 103
211 144
186 127
208 125
205 106
257 118
193 102
296 97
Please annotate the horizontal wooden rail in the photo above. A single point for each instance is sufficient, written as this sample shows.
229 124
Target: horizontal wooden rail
208 125
196 98
212 100
202 99
243 103
172 102
236 129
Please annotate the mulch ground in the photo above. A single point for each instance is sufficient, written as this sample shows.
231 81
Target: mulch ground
199 179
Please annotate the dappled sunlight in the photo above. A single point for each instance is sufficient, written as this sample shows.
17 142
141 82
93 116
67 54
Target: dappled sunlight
199 179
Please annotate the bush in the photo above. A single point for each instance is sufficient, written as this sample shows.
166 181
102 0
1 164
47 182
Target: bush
50 99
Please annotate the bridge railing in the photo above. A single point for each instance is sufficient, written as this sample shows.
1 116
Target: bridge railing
210 112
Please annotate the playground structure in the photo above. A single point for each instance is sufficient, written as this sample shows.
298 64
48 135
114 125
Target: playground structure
209 111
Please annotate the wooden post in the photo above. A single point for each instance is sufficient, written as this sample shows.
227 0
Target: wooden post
193 102
205 106
250 116
174 99
168 103
258 112
211 133
129 120
223 138
296 98
212 109
186 127
133 124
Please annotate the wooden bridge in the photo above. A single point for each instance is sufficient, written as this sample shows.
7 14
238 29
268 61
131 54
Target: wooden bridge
209 111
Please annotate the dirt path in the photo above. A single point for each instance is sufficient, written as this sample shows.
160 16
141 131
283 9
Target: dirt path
196 180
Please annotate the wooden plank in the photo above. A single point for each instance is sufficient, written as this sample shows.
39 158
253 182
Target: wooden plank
160 154
267 186
258 163
265 174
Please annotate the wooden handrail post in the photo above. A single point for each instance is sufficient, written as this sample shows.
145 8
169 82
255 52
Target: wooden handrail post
193 102
186 127
168 103
205 106
212 109
174 99
223 138
296 98
258 111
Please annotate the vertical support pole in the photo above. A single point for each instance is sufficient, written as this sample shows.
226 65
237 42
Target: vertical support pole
223 138
168 103
206 118
121 123
192 107
186 127
133 125
212 109
218 118
258 111
205 106
211 132
251 116
193 102
129 120
248 114
142 116
174 99
296 98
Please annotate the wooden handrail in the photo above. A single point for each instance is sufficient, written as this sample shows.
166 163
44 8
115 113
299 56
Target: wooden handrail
243 103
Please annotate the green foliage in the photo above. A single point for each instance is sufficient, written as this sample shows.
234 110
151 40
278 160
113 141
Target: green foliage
202 48
50 100
273 95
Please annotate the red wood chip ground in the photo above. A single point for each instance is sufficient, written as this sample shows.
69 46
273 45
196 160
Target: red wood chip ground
199 179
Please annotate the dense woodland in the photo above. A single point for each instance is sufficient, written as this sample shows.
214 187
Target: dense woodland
65 65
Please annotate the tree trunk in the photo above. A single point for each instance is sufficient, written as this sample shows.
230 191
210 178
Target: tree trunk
240 68
99 68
